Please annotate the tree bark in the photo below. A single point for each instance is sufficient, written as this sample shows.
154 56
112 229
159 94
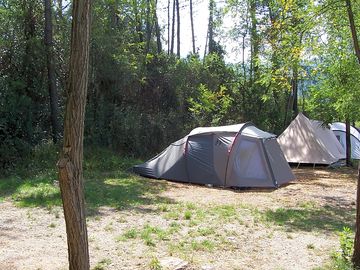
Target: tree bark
254 43
178 27
168 25
157 30
192 27
348 142
356 254
211 26
173 28
295 107
353 29
148 26
48 39
71 159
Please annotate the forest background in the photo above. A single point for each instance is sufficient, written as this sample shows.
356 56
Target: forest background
143 93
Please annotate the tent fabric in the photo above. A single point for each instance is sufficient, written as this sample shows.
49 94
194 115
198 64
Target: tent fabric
308 141
339 130
237 155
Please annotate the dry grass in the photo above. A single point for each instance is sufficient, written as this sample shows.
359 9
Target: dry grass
293 227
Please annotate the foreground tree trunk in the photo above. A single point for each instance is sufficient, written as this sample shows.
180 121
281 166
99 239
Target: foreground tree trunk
48 39
70 163
356 254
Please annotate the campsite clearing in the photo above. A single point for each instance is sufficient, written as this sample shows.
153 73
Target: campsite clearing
293 227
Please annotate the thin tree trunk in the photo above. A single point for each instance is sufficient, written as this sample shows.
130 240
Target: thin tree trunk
192 27
48 39
178 27
173 29
243 56
148 26
353 29
71 159
157 30
211 26
348 142
295 107
168 25
254 43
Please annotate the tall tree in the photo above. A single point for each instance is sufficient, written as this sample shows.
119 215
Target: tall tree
173 28
157 30
192 26
211 26
356 254
71 159
168 25
178 28
48 38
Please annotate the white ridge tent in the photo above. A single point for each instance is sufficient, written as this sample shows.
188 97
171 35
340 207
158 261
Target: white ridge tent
339 130
236 156
308 141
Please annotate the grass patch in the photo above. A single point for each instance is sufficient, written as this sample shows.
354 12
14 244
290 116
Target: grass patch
204 245
327 218
154 264
108 181
102 264
129 234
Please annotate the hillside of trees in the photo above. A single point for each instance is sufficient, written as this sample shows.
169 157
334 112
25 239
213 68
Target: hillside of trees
143 94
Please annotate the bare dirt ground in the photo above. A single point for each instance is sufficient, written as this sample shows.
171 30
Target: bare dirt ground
293 227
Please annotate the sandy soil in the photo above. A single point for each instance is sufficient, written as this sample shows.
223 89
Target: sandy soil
35 238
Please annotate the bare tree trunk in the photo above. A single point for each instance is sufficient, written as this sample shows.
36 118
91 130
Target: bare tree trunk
192 27
211 26
157 30
148 26
295 92
168 25
48 39
173 29
178 27
243 56
348 142
356 254
254 43
71 159
353 29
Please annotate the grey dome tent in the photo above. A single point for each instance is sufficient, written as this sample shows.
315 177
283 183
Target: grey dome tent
308 141
236 155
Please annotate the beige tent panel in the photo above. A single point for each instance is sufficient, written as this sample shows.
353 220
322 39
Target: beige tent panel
307 141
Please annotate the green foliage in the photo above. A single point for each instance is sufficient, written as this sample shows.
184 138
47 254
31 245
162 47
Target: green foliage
347 243
154 264
341 260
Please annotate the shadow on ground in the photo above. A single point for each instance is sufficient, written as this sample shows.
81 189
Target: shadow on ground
327 218
117 189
